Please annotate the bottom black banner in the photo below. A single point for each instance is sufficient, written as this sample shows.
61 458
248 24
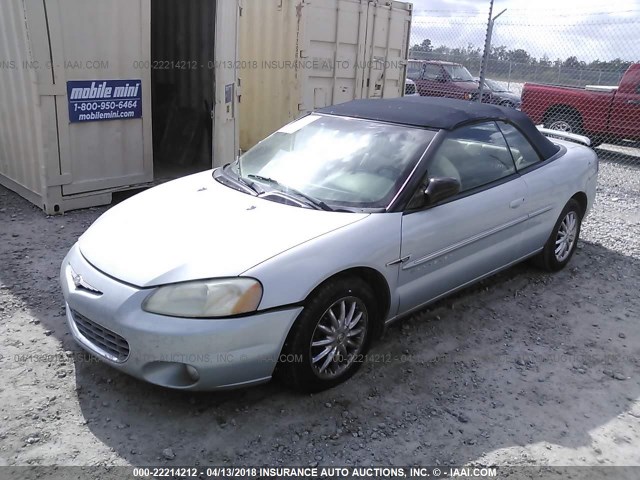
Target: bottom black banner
365 473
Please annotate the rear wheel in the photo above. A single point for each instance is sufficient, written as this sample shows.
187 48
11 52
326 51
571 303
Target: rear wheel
563 240
329 338
564 122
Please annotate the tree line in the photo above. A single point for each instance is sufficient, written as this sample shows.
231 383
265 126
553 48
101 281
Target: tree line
518 63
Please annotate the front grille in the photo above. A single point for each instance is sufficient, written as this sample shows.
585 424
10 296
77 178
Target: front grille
102 339
410 89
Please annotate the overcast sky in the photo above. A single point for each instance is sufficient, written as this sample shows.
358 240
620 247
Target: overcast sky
588 29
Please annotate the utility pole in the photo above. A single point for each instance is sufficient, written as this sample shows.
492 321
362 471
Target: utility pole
487 49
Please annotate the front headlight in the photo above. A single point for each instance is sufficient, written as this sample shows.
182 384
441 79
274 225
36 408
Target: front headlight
206 298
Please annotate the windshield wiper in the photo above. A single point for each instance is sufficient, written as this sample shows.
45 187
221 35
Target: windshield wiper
239 181
319 204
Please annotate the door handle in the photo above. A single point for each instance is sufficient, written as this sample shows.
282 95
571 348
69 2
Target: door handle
633 102
516 203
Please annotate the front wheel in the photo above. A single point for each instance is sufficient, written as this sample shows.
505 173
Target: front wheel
563 240
327 343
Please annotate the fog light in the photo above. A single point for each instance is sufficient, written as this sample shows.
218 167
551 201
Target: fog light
193 373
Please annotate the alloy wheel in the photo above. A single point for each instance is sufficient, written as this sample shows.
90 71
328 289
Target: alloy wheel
561 126
566 238
339 337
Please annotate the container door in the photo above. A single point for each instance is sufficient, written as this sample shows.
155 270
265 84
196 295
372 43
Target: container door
226 88
333 48
387 43
100 52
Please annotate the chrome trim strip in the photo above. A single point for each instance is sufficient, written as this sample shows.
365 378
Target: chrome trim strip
465 242
460 287
399 261
541 211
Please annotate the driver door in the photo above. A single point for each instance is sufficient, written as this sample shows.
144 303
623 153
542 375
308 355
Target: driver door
468 236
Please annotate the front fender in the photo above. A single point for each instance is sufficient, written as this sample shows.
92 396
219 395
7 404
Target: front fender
374 242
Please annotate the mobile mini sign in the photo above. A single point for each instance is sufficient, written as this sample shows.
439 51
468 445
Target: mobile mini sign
100 100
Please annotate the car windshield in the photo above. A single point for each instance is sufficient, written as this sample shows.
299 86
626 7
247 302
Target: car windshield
494 86
458 73
339 161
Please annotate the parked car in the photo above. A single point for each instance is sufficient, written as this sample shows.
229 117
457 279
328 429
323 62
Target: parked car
292 260
601 113
497 94
442 79
410 89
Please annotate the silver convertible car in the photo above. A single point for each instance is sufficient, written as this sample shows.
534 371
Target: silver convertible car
291 260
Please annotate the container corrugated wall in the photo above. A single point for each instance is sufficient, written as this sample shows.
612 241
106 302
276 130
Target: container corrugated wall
268 36
20 134
297 56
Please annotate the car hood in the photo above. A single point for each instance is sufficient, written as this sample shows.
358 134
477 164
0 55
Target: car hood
195 228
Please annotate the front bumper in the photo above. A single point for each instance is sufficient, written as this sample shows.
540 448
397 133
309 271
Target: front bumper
105 317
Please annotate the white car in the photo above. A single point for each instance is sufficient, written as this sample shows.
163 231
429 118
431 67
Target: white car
292 260
410 89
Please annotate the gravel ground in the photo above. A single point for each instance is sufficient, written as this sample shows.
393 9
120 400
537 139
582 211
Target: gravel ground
525 368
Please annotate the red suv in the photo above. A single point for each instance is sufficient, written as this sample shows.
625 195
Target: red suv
442 79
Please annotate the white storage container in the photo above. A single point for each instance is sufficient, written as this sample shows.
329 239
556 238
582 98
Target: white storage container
98 96
298 55
104 95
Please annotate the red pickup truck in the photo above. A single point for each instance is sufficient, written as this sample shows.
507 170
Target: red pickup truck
601 113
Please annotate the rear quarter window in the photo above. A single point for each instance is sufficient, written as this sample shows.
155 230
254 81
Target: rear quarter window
524 155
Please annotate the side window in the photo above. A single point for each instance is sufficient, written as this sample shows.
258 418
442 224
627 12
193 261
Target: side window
475 155
414 70
431 71
523 153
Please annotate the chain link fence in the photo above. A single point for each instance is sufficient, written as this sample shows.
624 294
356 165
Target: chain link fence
576 71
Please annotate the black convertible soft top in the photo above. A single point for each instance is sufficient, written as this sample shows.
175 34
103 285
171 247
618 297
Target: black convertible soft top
441 113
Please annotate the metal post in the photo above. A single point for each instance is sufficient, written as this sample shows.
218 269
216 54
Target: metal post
559 70
487 49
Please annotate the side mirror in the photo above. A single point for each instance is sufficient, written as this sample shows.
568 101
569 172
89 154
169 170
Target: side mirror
440 188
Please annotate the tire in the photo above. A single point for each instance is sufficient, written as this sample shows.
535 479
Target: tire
315 324
596 141
565 122
549 259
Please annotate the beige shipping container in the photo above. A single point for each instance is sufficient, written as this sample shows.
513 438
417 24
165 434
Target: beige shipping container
67 141
299 55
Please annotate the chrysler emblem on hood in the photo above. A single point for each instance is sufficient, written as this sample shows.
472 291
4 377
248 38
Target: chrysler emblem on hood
81 284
